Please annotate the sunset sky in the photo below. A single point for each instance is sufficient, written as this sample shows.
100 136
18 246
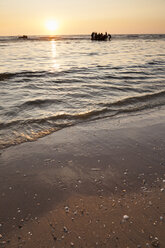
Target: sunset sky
19 17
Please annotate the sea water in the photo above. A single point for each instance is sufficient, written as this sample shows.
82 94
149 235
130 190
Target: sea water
50 83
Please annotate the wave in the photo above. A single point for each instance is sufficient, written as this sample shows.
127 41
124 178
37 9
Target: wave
129 104
62 116
8 75
125 77
21 130
156 62
133 72
39 102
27 74
146 98
39 74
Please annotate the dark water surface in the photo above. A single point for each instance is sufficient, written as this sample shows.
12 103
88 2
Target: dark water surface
50 83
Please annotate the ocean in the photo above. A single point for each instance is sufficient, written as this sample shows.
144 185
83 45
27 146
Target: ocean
49 83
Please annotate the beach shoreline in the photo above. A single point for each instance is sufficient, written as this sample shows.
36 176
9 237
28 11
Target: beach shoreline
87 177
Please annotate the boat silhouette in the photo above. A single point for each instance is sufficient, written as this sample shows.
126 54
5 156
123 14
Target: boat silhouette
100 36
24 37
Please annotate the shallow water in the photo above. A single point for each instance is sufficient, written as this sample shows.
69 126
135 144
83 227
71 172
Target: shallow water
48 83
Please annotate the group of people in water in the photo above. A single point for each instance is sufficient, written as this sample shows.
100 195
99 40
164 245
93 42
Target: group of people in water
100 36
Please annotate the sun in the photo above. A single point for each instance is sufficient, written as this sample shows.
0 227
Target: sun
51 25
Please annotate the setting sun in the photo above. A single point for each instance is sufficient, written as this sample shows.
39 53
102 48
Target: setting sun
51 25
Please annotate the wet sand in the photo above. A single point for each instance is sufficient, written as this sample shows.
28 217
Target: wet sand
97 184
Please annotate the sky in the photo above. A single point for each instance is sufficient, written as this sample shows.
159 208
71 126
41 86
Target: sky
30 17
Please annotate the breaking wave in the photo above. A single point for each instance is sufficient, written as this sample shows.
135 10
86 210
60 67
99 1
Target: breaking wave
50 124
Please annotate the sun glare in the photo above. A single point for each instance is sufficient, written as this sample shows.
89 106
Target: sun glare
51 25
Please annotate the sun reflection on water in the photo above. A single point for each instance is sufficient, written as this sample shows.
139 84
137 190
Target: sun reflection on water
55 65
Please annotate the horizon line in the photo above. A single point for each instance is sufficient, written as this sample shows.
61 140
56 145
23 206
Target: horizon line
81 34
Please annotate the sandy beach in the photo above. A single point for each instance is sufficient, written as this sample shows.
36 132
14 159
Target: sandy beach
82 124
96 184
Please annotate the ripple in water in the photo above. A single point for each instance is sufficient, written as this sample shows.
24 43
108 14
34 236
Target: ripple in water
46 86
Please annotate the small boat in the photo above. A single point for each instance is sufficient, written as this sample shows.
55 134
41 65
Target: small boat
100 36
23 37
